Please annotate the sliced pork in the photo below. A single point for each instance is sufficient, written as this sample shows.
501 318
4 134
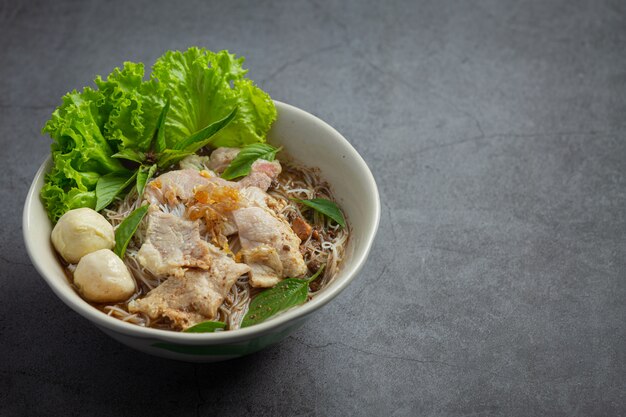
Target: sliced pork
260 231
200 274
261 175
172 244
192 298
269 245
266 268
175 186
181 186
254 196
221 158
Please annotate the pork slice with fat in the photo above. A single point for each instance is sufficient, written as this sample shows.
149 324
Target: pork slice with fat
261 175
221 158
172 244
199 274
261 233
175 186
192 298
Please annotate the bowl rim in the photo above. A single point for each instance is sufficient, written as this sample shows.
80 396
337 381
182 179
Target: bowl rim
102 320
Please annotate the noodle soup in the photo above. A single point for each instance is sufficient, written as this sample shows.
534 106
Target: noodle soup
172 211
322 244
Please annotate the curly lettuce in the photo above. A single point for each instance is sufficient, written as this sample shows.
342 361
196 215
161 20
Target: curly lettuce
133 107
119 118
205 86
80 153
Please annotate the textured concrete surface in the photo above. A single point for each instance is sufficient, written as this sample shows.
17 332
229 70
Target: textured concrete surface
497 133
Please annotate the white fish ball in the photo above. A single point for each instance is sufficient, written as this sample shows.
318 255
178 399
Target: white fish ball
102 277
82 231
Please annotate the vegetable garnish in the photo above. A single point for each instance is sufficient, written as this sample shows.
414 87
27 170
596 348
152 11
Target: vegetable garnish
127 229
110 185
160 144
190 99
143 176
205 87
202 138
287 293
326 207
206 327
131 155
240 166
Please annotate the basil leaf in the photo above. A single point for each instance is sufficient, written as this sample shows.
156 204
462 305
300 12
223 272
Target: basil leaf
160 132
287 293
170 157
203 137
127 229
143 176
110 185
130 155
326 207
205 327
240 166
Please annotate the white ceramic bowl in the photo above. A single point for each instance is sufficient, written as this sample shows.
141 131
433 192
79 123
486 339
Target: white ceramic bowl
309 141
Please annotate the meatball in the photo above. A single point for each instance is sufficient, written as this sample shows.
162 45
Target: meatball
102 277
82 231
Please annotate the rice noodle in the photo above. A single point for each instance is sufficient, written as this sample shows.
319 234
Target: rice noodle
324 246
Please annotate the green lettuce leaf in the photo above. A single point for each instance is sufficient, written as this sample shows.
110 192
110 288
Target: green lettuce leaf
205 87
100 131
80 153
134 107
58 201
91 129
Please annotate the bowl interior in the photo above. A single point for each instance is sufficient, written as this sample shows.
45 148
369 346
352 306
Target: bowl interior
309 141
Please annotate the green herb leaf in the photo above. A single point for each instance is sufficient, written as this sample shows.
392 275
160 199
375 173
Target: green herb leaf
130 155
110 185
203 137
326 207
169 157
160 132
127 229
206 327
287 293
240 166
143 176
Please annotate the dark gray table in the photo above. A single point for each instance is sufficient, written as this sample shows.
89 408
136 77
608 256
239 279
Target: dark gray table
497 134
